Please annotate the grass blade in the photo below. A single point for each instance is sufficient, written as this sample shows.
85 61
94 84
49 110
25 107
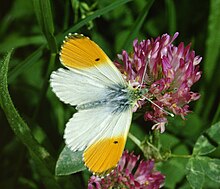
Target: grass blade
213 40
171 14
45 162
44 15
96 14
27 63
211 65
137 25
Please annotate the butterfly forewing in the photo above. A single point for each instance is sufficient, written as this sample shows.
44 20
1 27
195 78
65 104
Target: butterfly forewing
80 53
75 87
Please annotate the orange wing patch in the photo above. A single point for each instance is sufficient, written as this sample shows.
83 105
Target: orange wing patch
104 155
80 52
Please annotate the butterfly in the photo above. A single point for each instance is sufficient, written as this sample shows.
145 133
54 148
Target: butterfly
103 98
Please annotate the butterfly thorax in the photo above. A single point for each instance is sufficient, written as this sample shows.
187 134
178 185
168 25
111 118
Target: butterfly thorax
118 98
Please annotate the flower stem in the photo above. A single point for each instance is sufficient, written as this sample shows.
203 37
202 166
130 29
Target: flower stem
135 140
179 156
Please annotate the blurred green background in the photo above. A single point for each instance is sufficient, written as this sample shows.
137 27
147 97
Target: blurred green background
35 29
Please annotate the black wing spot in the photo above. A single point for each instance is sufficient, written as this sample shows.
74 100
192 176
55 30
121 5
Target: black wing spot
97 59
115 142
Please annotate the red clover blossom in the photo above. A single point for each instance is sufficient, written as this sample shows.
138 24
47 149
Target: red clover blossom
130 174
169 75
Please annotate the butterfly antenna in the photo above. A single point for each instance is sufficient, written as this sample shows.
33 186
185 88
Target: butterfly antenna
170 114
145 71
142 81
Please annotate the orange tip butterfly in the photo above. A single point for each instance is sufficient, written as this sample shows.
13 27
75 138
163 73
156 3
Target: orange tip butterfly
103 98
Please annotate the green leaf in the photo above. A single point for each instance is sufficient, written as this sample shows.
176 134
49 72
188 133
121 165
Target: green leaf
211 167
69 162
171 14
208 141
22 131
212 43
211 62
198 167
195 174
91 17
217 115
137 25
174 171
26 64
203 146
3 77
214 132
43 10
17 41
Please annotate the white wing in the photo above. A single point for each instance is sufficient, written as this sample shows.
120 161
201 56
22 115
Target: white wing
90 72
76 88
102 133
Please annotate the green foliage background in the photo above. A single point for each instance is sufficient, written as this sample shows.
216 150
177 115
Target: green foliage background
35 29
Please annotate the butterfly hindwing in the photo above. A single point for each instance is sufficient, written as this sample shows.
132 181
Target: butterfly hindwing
101 133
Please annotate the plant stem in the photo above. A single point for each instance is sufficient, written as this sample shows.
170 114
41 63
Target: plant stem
179 156
136 141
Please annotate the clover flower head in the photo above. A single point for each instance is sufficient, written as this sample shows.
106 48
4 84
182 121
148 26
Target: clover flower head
167 71
130 173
